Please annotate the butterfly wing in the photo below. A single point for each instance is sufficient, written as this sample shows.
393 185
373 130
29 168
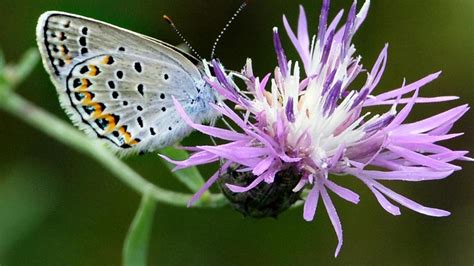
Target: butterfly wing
117 85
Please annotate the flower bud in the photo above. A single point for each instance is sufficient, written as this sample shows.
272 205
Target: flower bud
265 200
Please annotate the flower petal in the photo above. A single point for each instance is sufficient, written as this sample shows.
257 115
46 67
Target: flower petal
311 203
208 184
336 223
323 20
407 175
422 159
280 53
447 117
239 189
303 29
342 192
403 90
409 203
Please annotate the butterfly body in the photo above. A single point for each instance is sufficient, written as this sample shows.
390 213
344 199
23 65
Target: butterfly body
119 86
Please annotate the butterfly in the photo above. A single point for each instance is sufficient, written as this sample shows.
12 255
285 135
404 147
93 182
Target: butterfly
118 86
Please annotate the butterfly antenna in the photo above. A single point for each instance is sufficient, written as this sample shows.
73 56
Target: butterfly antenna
168 19
237 12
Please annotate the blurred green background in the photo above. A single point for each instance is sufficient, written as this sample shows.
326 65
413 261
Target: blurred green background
58 207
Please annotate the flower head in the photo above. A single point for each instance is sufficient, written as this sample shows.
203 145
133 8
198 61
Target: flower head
314 122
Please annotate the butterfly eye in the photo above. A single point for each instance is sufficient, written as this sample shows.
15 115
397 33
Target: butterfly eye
166 77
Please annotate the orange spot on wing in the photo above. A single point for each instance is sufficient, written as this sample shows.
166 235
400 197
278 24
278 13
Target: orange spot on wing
63 50
87 98
97 110
93 70
85 85
112 123
126 135
107 60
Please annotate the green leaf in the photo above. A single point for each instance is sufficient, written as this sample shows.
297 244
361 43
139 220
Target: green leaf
135 249
189 176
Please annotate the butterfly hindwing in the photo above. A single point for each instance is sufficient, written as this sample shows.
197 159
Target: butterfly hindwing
117 85
123 104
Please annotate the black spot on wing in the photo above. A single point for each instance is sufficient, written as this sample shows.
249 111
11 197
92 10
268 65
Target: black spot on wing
138 67
82 41
84 70
119 74
111 84
140 121
140 89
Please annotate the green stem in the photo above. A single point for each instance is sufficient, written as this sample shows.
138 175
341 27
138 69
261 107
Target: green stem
59 130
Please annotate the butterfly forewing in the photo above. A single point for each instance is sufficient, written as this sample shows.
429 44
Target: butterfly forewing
117 85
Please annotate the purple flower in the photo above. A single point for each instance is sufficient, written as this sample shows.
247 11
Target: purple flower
317 123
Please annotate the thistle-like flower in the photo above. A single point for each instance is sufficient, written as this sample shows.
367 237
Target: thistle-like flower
308 129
